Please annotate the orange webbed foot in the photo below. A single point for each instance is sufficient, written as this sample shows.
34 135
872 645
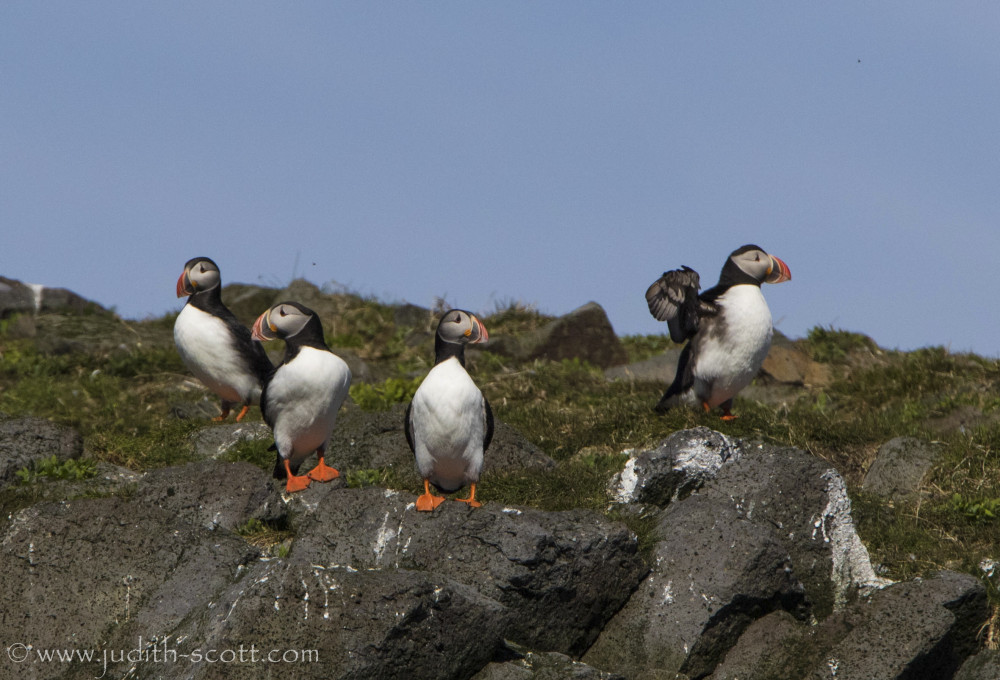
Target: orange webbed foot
323 472
728 416
245 410
428 501
295 483
471 500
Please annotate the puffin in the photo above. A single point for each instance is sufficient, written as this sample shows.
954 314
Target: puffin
302 396
727 328
449 423
213 344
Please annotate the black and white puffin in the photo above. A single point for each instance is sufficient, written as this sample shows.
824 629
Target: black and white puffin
728 327
301 399
449 423
213 344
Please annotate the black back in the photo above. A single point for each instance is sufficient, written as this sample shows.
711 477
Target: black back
252 352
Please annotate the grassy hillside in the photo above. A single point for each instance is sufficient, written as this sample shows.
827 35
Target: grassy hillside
122 385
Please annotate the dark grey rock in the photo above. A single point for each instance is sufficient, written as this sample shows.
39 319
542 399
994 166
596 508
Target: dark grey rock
212 494
924 628
715 572
774 509
416 317
562 574
543 666
680 465
24 441
79 573
585 333
16 298
899 468
343 623
215 441
770 648
373 439
805 503
983 666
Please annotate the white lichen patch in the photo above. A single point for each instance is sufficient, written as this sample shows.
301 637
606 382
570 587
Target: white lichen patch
852 567
624 484
382 538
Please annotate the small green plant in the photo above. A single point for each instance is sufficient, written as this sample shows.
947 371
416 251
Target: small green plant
251 526
53 468
984 510
357 479
381 397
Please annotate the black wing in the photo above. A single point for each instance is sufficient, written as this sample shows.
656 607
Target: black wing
674 298
489 424
408 428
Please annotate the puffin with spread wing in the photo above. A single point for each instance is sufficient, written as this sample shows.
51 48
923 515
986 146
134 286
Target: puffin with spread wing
727 328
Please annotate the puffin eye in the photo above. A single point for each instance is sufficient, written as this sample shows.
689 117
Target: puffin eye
457 319
281 311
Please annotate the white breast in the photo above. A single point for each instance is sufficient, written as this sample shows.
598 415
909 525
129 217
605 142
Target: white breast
303 399
208 349
449 424
730 353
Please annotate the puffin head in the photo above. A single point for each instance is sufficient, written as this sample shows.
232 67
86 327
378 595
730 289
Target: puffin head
284 320
199 274
460 327
760 266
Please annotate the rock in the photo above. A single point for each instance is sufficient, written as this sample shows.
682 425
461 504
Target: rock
923 628
337 622
899 468
585 333
79 573
805 503
215 441
680 465
790 365
562 574
21 298
715 572
769 512
763 651
983 666
661 369
413 316
25 441
212 494
16 298
373 439
543 666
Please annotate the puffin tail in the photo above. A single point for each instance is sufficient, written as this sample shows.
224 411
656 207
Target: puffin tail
682 384
279 464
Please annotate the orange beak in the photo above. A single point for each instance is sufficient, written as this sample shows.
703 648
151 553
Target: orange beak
262 330
779 271
184 286
479 333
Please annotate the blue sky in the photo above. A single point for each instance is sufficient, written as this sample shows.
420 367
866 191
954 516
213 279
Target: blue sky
550 153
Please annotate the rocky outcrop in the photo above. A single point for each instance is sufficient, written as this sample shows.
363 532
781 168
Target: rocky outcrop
561 574
26 298
756 571
25 441
585 333
899 468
